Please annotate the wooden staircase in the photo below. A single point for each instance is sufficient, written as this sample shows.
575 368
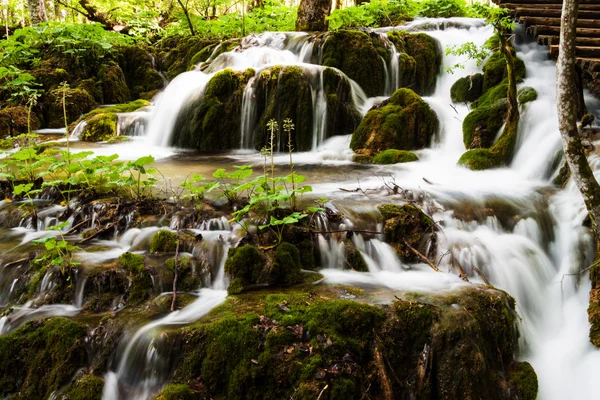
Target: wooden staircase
542 20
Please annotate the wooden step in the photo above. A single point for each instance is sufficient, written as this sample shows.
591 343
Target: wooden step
580 51
557 6
550 40
544 2
555 31
553 12
581 23
591 64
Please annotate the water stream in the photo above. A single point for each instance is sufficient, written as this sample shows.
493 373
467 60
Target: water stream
511 223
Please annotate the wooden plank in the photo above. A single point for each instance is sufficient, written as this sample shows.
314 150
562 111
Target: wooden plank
557 6
580 51
544 2
580 41
581 23
553 12
555 31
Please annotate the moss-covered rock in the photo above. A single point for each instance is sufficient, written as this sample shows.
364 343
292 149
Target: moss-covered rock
405 227
177 392
212 123
211 52
494 70
342 117
287 266
93 88
178 51
140 282
41 357
243 266
273 346
14 121
427 58
163 241
355 54
114 85
188 279
393 156
480 159
405 122
525 380
594 305
100 127
88 387
467 89
353 259
77 103
286 92
526 95
137 65
481 126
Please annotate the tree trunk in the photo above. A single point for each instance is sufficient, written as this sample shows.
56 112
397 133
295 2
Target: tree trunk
568 108
312 14
187 17
37 11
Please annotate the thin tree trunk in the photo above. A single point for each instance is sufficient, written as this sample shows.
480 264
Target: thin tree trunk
37 11
187 17
566 87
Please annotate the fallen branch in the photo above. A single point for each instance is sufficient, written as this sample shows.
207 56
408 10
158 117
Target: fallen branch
461 272
79 225
386 385
481 275
422 257
321 394
14 263
99 232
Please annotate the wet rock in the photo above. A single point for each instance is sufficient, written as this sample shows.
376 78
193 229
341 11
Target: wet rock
163 242
525 380
100 127
137 65
405 227
78 102
87 387
114 86
206 124
177 52
467 89
405 122
355 54
177 392
427 56
481 126
342 116
494 70
353 259
140 281
526 95
393 156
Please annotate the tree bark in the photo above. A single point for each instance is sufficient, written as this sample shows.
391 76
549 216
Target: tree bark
187 17
312 14
37 11
566 87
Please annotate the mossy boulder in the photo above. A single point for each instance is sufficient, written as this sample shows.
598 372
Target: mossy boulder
480 159
594 305
355 54
50 77
163 241
211 52
137 64
140 282
176 52
407 226
78 102
481 126
467 89
93 88
120 108
41 357
14 121
353 259
243 266
342 117
393 156
287 266
405 122
100 127
114 85
526 95
426 53
212 123
494 70
285 92
525 380
177 392
88 387
299 342
188 279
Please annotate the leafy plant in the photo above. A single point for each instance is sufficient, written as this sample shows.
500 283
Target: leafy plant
443 8
58 252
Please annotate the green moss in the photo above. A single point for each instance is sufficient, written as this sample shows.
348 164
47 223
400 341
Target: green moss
404 225
93 88
526 95
41 356
408 70
14 121
342 116
406 122
393 156
78 102
494 70
481 126
479 159
206 124
120 108
525 379
179 51
100 127
467 89
118 139
114 85
354 53
133 263
137 65
362 158
7 144
285 92
88 387
353 259
187 280
287 264
163 242
176 392
243 267
427 58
